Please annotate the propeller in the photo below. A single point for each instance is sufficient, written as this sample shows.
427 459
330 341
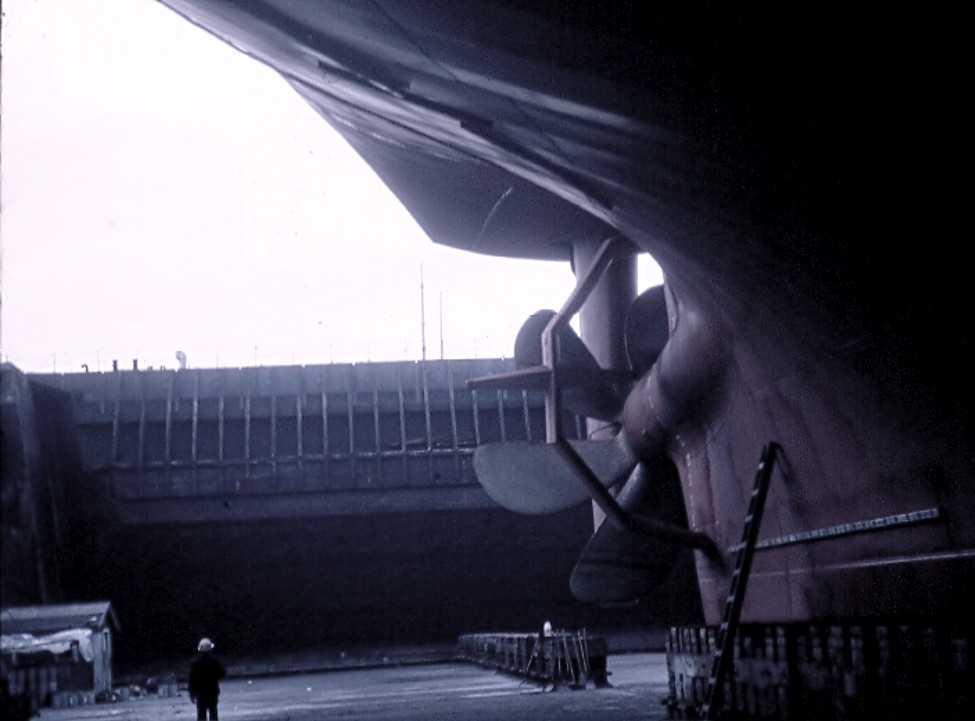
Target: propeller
532 477
622 561
589 390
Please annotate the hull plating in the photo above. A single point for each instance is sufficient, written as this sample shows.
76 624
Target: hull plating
789 185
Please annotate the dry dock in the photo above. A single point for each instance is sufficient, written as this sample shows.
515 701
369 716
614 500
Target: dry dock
441 692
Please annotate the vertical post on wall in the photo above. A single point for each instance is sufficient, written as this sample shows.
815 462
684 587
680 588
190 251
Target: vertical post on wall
423 319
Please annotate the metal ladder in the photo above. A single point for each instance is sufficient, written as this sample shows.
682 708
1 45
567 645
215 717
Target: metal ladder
744 552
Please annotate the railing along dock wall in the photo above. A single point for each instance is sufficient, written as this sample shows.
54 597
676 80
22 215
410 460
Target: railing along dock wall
361 436
571 658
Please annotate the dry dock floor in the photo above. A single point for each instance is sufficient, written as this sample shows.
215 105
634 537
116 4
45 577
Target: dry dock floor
431 692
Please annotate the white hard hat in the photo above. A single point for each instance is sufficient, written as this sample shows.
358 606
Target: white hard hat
205 645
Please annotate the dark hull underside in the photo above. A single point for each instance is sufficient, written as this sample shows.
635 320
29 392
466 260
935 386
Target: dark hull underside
786 173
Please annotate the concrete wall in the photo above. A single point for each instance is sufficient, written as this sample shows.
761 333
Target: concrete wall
338 581
304 546
37 455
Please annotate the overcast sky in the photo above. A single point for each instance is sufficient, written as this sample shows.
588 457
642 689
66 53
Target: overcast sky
162 192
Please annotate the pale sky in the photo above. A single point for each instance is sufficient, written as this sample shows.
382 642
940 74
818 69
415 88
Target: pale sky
163 192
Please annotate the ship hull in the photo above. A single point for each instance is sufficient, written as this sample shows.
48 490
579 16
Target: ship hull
784 171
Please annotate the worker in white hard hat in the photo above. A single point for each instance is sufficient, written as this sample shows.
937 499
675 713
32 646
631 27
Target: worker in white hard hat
205 674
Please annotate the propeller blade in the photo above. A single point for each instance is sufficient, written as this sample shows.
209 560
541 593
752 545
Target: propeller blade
646 329
619 566
587 389
532 478
572 351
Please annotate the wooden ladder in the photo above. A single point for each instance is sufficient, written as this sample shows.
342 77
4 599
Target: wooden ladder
744 552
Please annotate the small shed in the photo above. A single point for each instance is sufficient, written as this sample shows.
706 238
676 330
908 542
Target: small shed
58 648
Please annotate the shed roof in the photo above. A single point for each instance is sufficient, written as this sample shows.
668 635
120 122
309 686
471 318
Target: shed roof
51 618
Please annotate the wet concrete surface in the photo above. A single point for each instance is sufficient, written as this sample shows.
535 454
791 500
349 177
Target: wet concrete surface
453 691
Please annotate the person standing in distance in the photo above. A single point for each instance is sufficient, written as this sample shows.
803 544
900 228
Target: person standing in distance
205 674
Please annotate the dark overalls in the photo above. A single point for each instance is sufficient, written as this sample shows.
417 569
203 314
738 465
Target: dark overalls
205 674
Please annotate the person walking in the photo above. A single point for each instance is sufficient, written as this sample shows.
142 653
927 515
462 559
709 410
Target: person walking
205 674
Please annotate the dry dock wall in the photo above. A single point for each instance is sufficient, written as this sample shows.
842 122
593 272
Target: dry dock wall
297 507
